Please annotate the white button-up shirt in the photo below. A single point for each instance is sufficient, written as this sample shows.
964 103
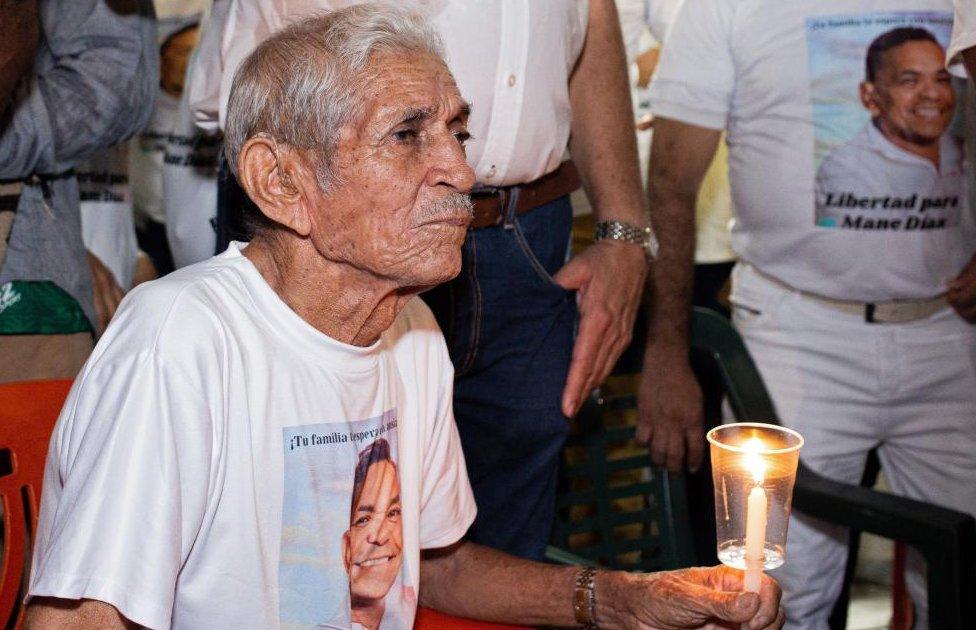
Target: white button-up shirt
511 59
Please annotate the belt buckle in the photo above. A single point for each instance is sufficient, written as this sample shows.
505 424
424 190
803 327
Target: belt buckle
480 191
892 312
869 310
489 214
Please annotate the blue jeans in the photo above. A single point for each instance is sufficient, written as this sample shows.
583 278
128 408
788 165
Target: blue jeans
509 329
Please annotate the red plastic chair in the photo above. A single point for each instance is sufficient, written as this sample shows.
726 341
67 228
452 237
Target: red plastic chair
428 619
28 412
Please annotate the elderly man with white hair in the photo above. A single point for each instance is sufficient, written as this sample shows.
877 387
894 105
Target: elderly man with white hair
265 439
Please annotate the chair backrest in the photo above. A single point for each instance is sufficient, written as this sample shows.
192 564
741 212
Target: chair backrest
613 508
28 412
713 335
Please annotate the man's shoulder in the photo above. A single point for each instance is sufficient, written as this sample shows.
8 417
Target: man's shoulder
184 305
187 287
849 155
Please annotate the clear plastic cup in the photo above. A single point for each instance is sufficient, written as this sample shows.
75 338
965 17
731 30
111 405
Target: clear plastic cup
753 466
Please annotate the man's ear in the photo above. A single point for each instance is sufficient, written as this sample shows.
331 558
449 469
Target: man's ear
273 176
869 98
346 551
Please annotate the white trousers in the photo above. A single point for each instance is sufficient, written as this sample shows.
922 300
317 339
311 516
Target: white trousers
848 386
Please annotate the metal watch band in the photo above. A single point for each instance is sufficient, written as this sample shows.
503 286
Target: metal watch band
584 599
620 231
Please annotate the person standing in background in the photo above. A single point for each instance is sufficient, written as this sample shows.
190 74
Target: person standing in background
90 86
645 24
855 327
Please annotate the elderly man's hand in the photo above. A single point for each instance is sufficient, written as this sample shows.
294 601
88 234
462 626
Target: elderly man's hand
690 598
962 292
609 277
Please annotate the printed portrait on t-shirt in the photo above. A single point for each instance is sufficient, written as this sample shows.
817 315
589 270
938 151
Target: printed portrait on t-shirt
341 563
887 151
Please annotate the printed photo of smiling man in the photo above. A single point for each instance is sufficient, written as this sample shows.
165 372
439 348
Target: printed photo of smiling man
902 171
372 546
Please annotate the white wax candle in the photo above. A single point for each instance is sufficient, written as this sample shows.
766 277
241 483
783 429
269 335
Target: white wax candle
755 538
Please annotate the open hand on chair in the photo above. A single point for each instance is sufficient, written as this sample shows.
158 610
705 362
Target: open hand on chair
669 403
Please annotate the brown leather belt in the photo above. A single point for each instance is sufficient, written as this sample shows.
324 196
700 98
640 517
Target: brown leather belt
490 201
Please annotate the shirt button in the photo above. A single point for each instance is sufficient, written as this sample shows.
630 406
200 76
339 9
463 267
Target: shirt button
491 171
511 80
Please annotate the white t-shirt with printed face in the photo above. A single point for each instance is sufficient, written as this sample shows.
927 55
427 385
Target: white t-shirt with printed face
222 464
784 79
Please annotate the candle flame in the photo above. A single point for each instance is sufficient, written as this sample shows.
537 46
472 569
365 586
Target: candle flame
754 461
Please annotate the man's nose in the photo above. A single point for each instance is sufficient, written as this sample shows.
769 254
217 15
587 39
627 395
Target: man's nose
380 534
449 166
933 91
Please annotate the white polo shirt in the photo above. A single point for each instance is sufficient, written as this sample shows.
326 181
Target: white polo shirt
783 79
873 183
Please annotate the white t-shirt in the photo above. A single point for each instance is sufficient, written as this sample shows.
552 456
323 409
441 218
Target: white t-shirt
783 79
512 60
201 474
660 15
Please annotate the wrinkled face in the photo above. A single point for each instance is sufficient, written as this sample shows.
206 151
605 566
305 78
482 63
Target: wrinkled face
398 207
373 545
912 96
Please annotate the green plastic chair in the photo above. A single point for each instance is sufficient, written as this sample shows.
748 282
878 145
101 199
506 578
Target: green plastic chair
613 508
946 538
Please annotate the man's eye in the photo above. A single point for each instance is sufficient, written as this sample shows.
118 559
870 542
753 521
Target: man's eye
393 513
462 137
405 135
361 521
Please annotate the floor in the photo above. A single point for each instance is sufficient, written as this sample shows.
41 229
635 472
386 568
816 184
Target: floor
870 607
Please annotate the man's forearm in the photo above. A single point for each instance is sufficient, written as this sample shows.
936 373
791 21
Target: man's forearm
672 274
603 144
476 582
50 613
672 200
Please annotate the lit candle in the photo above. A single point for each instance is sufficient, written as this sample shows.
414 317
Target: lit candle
756 507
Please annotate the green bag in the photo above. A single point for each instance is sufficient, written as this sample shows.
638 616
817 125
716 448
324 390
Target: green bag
39 308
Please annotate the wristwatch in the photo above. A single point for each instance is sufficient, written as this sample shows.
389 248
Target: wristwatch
620 231
584 599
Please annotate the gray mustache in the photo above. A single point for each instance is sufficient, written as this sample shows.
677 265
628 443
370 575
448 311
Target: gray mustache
456 203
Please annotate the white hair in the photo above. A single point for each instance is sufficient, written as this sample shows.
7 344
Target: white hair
305 82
